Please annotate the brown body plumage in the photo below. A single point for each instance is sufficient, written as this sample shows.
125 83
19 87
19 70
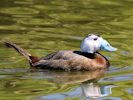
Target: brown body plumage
66 60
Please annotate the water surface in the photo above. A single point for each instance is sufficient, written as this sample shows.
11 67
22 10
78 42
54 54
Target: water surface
44 26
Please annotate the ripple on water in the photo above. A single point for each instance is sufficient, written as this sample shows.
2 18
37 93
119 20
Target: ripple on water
62 96
118 78
120 69
129 90
110 98
44 26
19 10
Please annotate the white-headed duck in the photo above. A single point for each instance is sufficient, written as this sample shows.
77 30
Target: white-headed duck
87 59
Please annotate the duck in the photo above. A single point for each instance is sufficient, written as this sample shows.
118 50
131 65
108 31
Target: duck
88 58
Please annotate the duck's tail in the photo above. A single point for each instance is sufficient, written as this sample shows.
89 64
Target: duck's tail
28 56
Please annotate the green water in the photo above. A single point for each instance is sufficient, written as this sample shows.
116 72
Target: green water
44 26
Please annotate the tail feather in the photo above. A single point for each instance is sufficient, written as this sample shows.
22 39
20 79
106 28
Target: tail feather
23 52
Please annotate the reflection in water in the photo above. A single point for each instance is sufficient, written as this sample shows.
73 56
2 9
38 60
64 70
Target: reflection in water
88 89
76 77
94 91
46 85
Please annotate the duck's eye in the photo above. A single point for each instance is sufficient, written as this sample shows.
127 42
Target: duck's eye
95 39
107 44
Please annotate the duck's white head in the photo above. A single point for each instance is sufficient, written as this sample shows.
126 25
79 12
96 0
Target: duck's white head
93 43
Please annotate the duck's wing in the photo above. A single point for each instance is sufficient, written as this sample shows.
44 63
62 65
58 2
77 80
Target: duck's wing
64 55
68 55
70 60
49 56
67 60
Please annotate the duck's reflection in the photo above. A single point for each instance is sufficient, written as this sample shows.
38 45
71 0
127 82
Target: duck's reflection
87 91
89 88
93 91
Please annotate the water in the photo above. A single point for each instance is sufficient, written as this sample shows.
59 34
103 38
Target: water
44 26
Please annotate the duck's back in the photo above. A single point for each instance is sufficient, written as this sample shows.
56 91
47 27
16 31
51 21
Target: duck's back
72 60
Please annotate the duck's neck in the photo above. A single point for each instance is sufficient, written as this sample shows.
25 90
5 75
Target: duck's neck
89 55
86 54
